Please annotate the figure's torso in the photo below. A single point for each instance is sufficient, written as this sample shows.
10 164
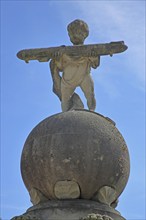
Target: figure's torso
74 69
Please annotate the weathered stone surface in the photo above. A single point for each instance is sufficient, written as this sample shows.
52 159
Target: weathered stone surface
76 154
74 63
66 189
89 50
71 210
80 146
93 216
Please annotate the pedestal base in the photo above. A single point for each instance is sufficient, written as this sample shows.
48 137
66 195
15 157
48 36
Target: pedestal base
70 210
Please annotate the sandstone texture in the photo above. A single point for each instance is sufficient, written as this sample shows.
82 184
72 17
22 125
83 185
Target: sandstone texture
81 152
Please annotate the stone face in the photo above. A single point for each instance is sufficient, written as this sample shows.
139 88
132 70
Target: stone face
79 146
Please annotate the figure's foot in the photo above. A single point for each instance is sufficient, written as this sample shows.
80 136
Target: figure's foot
91 110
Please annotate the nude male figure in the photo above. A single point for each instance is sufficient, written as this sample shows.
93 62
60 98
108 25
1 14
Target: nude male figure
75 71
71 65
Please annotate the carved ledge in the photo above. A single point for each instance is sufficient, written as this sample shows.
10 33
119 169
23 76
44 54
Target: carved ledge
25 217
93 216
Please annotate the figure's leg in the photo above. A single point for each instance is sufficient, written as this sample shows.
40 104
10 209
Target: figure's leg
87 87
56 79
66 94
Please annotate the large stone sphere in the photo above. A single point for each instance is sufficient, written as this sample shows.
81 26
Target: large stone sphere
78 146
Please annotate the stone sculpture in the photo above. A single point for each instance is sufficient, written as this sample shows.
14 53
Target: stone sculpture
75 63
74 164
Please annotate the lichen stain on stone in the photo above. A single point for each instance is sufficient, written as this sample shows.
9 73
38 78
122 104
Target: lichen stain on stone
66 160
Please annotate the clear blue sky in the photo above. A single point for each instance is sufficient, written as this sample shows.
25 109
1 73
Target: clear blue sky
26 89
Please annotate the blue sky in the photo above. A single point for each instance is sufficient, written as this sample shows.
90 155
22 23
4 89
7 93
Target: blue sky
26 89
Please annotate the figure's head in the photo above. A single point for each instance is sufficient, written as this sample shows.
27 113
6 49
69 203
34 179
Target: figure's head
78 31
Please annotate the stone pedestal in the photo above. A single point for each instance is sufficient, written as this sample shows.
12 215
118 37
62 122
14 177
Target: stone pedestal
71 210
75 164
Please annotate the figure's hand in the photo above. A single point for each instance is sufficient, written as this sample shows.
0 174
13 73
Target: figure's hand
94 53
58 53
95 62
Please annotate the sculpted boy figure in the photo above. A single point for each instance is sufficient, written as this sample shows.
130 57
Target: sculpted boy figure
71 65
75 71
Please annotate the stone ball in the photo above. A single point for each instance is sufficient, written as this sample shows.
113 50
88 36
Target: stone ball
80 146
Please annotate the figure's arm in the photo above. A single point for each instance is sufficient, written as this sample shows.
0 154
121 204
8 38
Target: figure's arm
56 78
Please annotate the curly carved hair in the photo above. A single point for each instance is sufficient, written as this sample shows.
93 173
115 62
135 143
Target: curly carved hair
78 26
